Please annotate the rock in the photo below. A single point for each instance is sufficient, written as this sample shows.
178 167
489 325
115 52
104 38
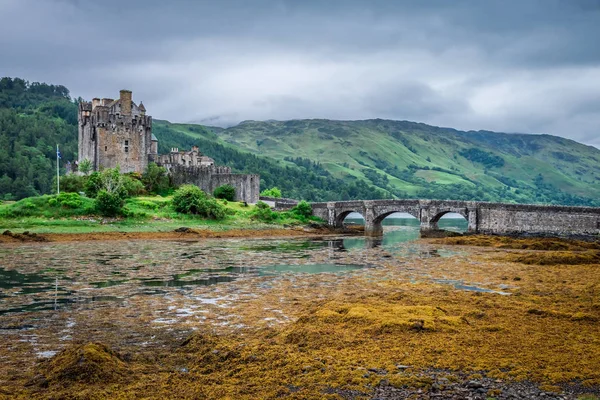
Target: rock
474 385
403 367
183 229
378 371
418 325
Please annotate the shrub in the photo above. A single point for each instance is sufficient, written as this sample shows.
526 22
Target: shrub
85 166
109 204
186 199
303 209
68 200
132 186
263 212
156 179
226 192
273 192
72 183
93 185
111 181
189 199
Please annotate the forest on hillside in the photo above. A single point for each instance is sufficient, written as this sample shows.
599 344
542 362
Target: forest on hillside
34 118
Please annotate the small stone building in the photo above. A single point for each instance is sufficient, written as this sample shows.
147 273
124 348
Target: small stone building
119 133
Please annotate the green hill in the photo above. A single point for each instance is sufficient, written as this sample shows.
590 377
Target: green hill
319 159
410 159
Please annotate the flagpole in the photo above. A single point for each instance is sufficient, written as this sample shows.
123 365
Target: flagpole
57 173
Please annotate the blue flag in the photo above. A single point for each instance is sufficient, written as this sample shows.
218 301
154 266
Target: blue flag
58 153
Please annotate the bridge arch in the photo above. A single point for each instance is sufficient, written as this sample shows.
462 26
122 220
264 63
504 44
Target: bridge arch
433 222
379 218
341 216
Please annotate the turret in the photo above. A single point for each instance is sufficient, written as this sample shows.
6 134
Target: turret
125 102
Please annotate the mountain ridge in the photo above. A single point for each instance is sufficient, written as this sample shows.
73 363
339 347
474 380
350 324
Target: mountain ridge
466 157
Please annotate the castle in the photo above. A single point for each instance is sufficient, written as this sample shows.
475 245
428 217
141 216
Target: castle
119 133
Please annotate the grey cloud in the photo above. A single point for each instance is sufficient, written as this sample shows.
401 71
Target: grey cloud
505 65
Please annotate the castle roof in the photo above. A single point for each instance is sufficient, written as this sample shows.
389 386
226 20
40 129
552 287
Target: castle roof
141 107
154 138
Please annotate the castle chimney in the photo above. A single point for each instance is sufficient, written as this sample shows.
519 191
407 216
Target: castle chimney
95 102
106 101
125 102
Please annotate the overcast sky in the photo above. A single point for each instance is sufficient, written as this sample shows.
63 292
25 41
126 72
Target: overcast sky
529 66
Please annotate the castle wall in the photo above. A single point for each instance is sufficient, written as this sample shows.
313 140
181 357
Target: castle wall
87 145
208 178
124 143
247 187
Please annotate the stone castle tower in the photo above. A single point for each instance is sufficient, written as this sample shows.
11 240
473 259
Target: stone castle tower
116 133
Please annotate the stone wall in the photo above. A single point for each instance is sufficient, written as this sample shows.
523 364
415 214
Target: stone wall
247 187
498 218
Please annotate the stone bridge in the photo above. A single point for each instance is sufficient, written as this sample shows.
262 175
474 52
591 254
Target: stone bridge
482 217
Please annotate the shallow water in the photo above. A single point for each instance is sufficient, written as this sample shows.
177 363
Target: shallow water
57 276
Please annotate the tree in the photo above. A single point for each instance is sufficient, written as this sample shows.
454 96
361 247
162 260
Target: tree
85 166
273 192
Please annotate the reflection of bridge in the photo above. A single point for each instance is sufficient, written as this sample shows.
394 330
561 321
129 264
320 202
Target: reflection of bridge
491 218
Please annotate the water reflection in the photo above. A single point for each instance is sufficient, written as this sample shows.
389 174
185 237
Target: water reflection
51 276
399 238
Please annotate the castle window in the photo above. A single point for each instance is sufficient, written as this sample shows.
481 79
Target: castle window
105 148
127 146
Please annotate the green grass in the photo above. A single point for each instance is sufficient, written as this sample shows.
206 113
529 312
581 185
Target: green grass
144 214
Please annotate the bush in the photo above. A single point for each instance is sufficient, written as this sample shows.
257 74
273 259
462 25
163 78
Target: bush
156 179
133 187
85 166
109 204
93 185
226 192
273 192
263 212
111 181
67 200
303 209
72 183
189 199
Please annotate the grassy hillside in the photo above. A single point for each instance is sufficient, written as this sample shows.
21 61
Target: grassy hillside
409 159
